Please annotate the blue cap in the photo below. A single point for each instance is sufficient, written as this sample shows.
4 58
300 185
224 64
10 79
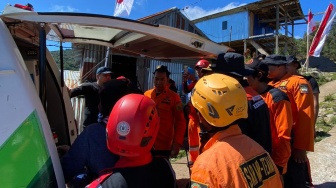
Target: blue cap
104 70
190 70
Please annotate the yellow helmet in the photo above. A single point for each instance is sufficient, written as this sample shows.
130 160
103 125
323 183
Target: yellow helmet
220 99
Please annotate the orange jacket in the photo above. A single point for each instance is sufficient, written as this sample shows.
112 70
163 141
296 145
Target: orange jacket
300 95
193 134
231 159
172 121
281 125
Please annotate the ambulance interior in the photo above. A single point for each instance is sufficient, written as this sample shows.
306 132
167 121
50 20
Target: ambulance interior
57 102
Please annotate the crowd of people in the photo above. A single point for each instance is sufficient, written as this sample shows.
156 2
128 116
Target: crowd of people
249 123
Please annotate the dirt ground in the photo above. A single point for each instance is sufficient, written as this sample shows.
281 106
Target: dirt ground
322 161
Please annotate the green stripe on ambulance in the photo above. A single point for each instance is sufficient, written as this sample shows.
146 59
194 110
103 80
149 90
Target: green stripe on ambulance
24 157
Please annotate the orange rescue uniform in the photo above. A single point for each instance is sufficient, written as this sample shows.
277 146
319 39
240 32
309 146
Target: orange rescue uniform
172 121
281 121
301 98
193 134
231 159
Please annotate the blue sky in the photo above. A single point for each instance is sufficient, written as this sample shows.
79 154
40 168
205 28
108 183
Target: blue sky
141 8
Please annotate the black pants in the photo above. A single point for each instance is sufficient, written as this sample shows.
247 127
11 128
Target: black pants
161 153
298 175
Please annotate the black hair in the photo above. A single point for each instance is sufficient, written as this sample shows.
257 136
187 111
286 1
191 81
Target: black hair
111 92
162 68
263 69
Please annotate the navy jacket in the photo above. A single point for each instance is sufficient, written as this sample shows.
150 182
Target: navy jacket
89 151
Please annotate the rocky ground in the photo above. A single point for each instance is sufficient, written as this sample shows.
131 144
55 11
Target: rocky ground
322 161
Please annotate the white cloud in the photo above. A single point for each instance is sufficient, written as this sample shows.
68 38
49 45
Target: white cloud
197 12
140 2
61 8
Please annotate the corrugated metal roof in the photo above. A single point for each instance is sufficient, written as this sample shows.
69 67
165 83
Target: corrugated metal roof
174 18
71 78
158 14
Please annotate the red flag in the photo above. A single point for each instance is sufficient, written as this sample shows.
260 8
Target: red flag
123 8
311 23
322 32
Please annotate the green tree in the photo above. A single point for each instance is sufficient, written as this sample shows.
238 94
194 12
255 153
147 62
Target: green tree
70 62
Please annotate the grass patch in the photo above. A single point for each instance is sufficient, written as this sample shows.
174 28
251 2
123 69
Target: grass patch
322 129
322 80
329 98
180 155
326 122
325 77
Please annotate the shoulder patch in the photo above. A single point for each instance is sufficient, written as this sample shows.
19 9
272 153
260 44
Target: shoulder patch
283 83
195 184
304 88
257 170
278 95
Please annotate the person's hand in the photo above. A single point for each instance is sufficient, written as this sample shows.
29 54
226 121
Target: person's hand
175 150
299 156
185 77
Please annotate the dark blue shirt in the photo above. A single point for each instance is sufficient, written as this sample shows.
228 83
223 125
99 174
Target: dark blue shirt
89 151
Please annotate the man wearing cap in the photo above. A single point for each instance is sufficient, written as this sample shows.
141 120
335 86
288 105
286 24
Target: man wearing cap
257 125
91 93
280 112
172 121
300 95
293 65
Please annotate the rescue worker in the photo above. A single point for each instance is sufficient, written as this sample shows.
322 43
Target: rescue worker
199 66
301 97
293 65
193 128
281 119
131 132
172 125
89 154
228 158
257 125
91 93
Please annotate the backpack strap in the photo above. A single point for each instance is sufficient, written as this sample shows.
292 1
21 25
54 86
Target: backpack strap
96 183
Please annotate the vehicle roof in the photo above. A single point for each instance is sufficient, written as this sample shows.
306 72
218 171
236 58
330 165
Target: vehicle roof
122 35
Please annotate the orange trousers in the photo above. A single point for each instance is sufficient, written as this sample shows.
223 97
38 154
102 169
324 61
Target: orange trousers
193 140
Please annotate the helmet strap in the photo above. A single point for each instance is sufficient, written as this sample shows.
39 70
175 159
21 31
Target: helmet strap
206 135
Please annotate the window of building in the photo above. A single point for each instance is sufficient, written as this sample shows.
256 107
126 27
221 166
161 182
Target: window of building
224 25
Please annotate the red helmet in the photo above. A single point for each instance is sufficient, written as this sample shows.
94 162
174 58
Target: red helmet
132 126
202 63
